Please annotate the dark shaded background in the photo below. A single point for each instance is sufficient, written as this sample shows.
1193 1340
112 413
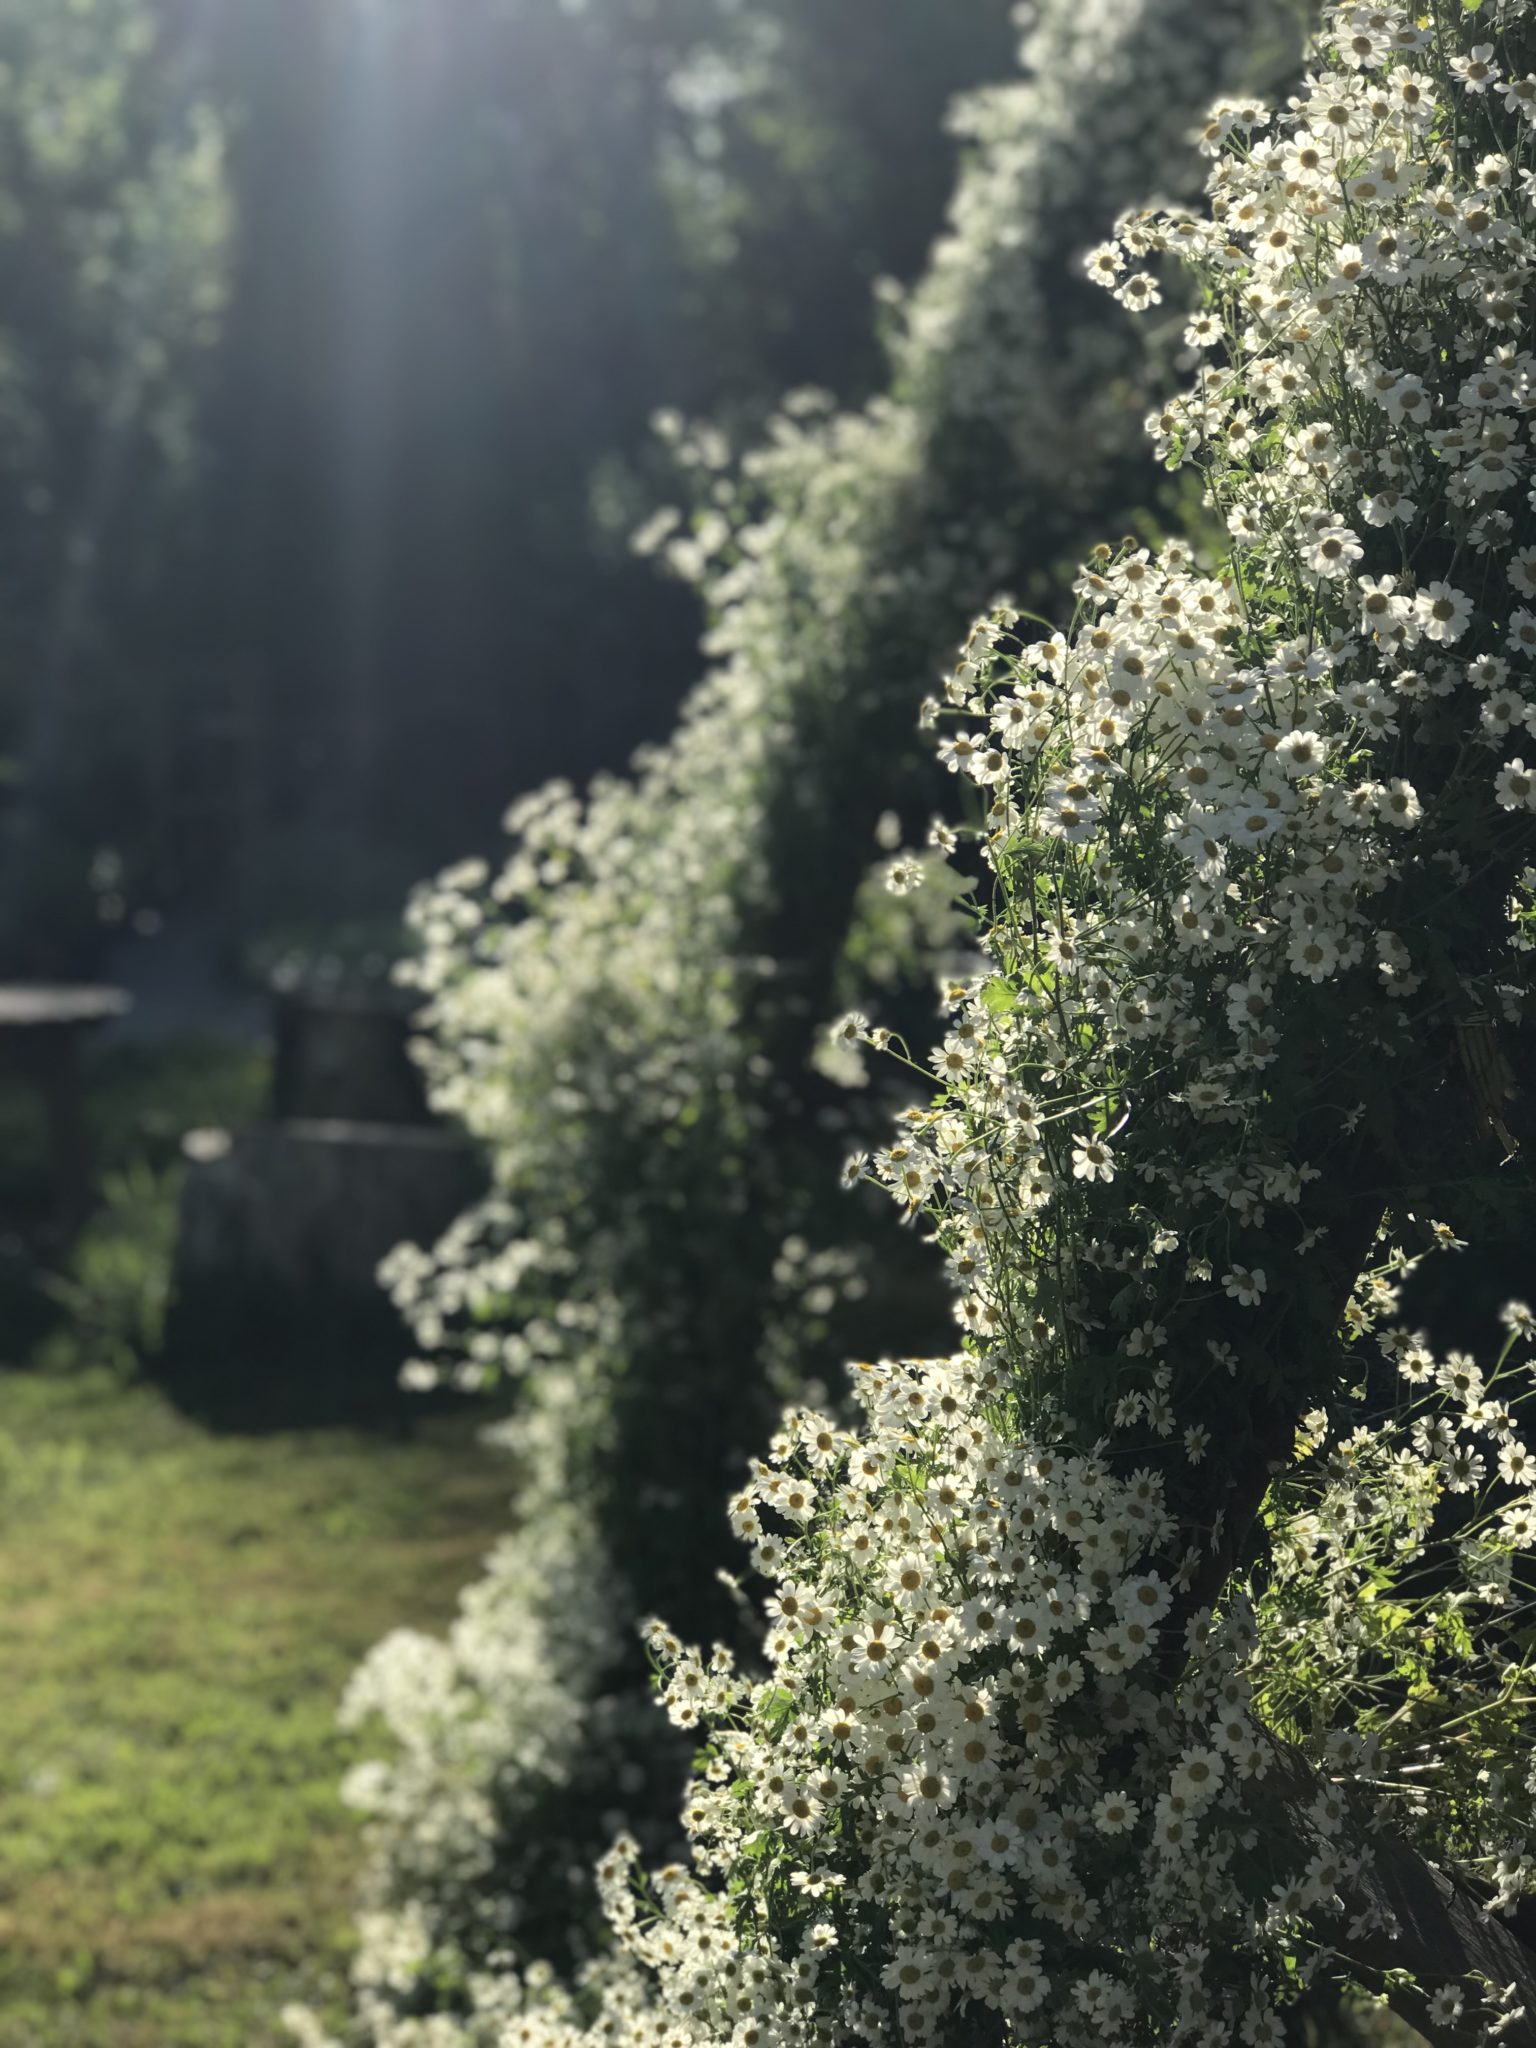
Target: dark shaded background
331 332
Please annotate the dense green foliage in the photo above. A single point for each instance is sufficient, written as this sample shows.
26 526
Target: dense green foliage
1066 1722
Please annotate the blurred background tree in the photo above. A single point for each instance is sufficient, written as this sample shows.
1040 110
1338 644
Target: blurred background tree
113 231
333 334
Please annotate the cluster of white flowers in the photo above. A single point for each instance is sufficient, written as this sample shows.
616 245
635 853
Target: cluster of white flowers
452 1706
989 1768
1236 807
994 1766
1201 797
999 1764
603 987
1036 1753
622 1010
1250 832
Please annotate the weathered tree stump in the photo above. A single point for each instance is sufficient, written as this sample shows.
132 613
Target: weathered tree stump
276 1312
345 1055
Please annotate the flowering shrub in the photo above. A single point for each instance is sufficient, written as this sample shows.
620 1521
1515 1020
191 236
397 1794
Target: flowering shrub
625 1012
1141 1664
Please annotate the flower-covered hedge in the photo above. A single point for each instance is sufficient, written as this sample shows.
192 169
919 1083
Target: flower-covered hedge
626 1013
1165 1652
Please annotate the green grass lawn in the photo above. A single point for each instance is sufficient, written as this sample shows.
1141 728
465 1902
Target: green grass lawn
178 1614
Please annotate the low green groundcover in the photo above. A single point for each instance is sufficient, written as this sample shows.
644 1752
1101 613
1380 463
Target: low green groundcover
178 1612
